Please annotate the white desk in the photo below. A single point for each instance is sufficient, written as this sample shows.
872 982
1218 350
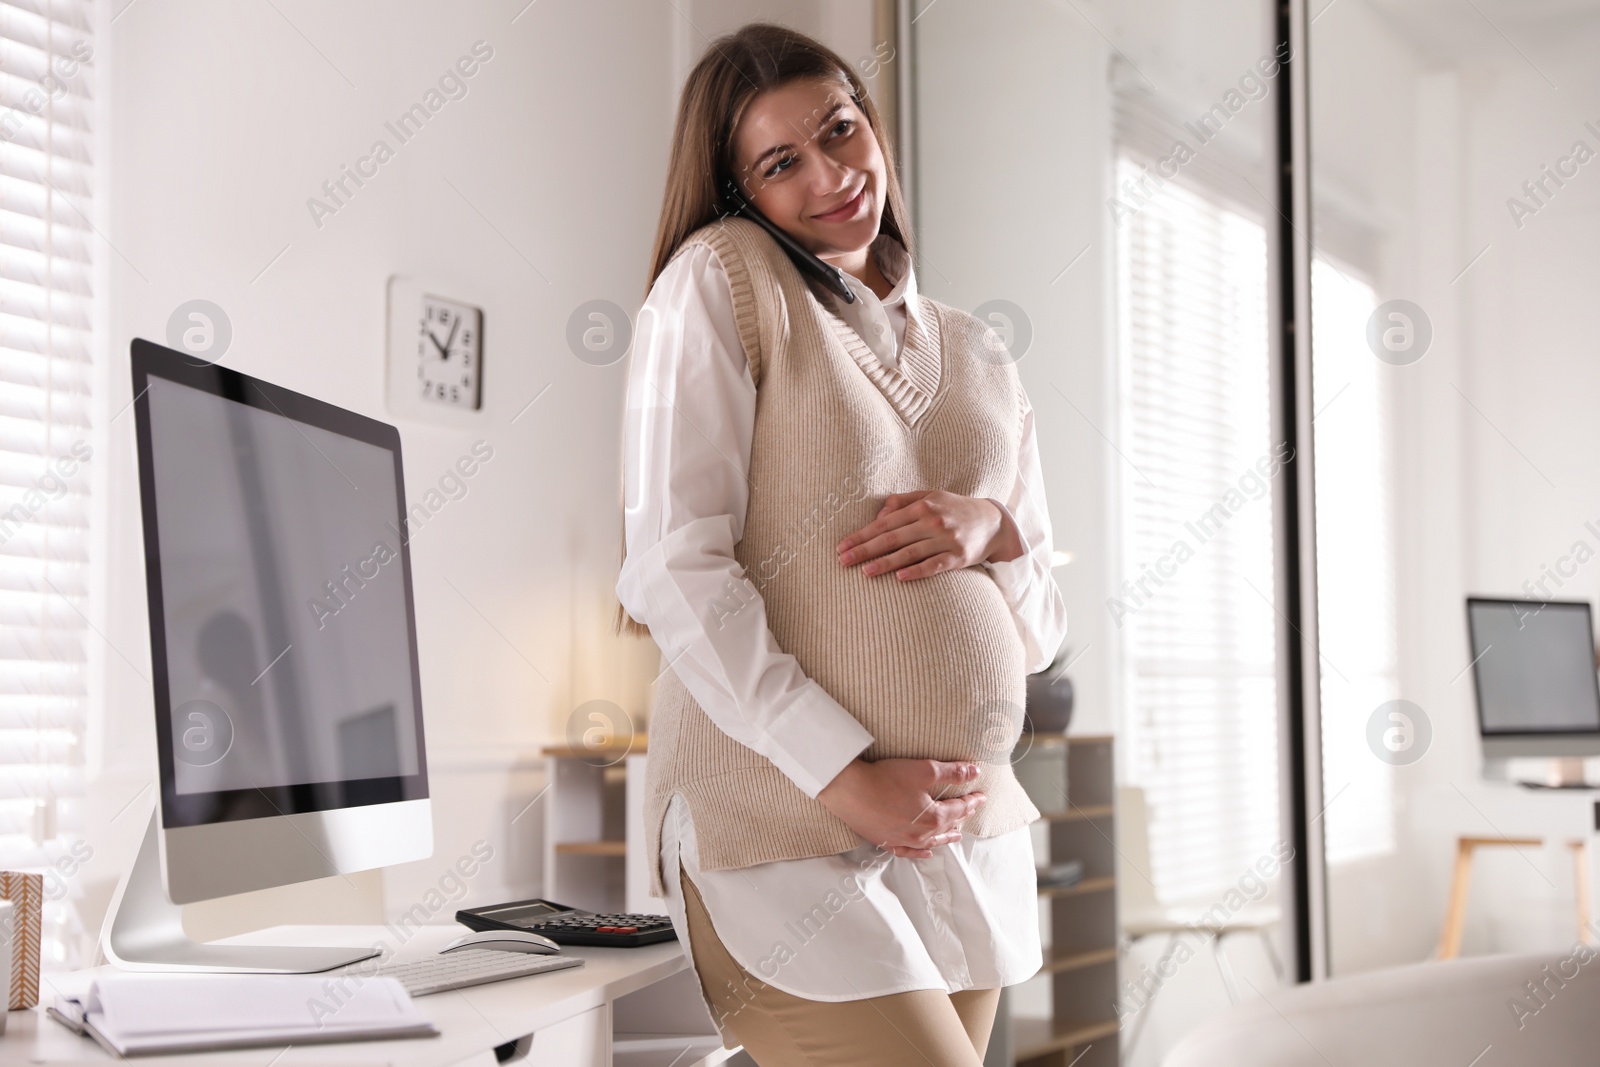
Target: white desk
1478 807
633 1007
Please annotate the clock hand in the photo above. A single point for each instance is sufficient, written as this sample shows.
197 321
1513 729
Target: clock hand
443 350
454 326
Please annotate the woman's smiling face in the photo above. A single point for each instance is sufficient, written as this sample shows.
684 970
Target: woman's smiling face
806 158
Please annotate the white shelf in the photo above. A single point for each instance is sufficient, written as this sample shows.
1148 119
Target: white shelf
594 829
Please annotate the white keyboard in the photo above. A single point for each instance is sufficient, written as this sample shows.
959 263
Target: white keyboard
466 967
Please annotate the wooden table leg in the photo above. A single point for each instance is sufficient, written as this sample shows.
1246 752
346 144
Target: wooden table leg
1580 880
1455 913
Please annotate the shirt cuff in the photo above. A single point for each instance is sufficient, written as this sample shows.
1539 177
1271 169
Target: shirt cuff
1012 577
814 739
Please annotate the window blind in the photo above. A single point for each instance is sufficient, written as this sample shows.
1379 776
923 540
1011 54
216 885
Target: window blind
1194 607
46 308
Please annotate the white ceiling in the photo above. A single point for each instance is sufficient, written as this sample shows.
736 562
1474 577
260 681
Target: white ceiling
1451 32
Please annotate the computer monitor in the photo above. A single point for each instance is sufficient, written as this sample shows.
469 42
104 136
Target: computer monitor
288 699
1533 665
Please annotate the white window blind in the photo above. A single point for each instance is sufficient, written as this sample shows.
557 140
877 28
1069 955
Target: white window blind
46 248
1355 569
1194 606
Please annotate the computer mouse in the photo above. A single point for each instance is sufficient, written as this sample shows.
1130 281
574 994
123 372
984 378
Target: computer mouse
506 941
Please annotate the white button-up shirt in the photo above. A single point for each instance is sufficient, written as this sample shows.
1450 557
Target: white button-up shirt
865 922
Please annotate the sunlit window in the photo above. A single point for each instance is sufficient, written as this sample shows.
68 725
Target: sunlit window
1194 606
1355 571
47 247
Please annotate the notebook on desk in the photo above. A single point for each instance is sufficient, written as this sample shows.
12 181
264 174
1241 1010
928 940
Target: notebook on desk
148 1014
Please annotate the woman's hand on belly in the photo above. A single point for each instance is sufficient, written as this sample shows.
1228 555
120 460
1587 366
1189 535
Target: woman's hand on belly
896 803
930 531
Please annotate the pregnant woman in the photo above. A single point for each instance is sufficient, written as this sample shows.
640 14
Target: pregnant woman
836 533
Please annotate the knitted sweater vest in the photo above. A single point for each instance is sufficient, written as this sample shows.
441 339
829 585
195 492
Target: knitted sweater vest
932 667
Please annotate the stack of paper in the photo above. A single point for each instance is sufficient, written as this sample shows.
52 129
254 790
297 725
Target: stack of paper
139 1014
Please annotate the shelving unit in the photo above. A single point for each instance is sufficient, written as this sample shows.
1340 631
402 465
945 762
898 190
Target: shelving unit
593 810
1080 931
586 823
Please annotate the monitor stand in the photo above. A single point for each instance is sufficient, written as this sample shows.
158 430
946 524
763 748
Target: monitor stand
1564 773
144 931
1556 772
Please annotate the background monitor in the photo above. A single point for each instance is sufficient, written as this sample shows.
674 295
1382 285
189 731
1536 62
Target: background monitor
288 698
1533 665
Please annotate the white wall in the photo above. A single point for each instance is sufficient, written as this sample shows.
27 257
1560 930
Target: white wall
1529 321
226 119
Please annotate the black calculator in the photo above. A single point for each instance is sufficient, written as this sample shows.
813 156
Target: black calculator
570 926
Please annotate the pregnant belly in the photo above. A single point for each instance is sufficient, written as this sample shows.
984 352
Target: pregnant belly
932 667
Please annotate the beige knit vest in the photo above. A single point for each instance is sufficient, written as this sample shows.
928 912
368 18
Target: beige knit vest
932 667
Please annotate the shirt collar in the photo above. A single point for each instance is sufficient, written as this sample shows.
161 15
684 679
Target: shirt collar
895 263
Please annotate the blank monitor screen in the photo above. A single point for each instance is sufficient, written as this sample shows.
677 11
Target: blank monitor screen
1534 666
283 615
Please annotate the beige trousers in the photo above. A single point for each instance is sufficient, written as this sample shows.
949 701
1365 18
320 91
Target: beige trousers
923 1027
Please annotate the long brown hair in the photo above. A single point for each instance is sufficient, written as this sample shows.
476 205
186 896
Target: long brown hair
735 69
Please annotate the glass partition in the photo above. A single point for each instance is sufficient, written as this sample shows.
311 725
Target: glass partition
1456 211
1094 180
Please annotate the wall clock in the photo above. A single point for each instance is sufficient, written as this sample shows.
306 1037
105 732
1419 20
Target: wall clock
435 353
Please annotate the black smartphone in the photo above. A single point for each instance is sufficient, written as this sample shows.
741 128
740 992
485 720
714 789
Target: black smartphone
808 262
